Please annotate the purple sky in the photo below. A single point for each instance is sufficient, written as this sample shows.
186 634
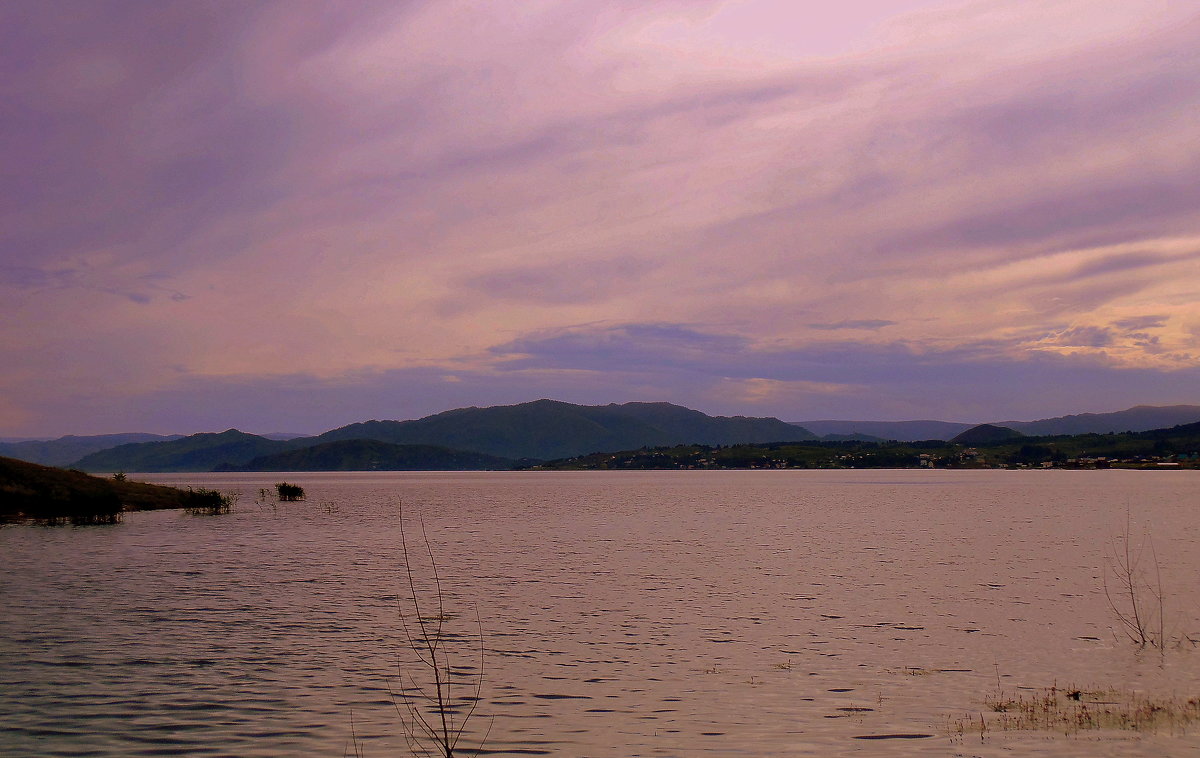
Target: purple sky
295 215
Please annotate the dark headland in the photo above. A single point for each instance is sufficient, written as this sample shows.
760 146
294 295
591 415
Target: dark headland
33 491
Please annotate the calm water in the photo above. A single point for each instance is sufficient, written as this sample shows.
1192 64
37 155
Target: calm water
623 614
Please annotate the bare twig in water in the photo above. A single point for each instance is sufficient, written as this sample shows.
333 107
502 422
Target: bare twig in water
355 745
1137 602
430 713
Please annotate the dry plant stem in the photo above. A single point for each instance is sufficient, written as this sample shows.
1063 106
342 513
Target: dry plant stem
1144 627
354 743
1157 592
440 734
1072 710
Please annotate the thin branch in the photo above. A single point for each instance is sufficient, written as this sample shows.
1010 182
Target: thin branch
429 640
1144 626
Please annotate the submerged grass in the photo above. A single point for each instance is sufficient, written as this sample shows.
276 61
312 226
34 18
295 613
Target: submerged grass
1070 710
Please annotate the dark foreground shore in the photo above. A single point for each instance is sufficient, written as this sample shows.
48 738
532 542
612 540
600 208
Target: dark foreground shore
31 491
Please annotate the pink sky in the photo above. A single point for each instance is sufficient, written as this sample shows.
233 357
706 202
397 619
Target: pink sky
295 215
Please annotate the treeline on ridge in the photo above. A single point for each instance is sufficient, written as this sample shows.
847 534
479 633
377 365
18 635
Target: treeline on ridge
1178 446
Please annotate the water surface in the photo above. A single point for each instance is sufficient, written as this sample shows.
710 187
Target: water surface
622 613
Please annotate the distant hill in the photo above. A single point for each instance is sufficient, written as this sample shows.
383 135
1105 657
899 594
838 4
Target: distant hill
1180 436
986 434
1137 419
283 435
31 490
857 437
372 455
905 431
197 452
1140 418
1170 449
546 429
65 450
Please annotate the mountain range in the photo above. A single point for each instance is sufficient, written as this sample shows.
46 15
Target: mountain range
500 436
1140 418
66 450
497 437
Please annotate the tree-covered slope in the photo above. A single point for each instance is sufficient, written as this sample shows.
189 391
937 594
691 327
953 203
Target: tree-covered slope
1136 419
1140 418
1178 446
197 452
372 455
547 429
888 430
986 434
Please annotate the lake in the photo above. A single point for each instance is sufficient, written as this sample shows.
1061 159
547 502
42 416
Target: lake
716 613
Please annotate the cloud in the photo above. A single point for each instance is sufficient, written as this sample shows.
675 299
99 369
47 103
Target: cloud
675 348
622 347
81 275
713 190
580 280
871 324
847 381
1123 263
1140 322
1084 336
772 393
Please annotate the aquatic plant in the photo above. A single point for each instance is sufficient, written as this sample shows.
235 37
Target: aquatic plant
204 502
289 493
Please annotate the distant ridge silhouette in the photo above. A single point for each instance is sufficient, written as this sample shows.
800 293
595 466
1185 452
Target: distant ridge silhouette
542 430
1140 418
546 430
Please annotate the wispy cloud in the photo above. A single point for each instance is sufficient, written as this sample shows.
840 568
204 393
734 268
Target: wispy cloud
869 323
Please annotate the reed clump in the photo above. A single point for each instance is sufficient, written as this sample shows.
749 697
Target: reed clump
204 502
289 493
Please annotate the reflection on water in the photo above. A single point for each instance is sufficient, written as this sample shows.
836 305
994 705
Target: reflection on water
624 614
